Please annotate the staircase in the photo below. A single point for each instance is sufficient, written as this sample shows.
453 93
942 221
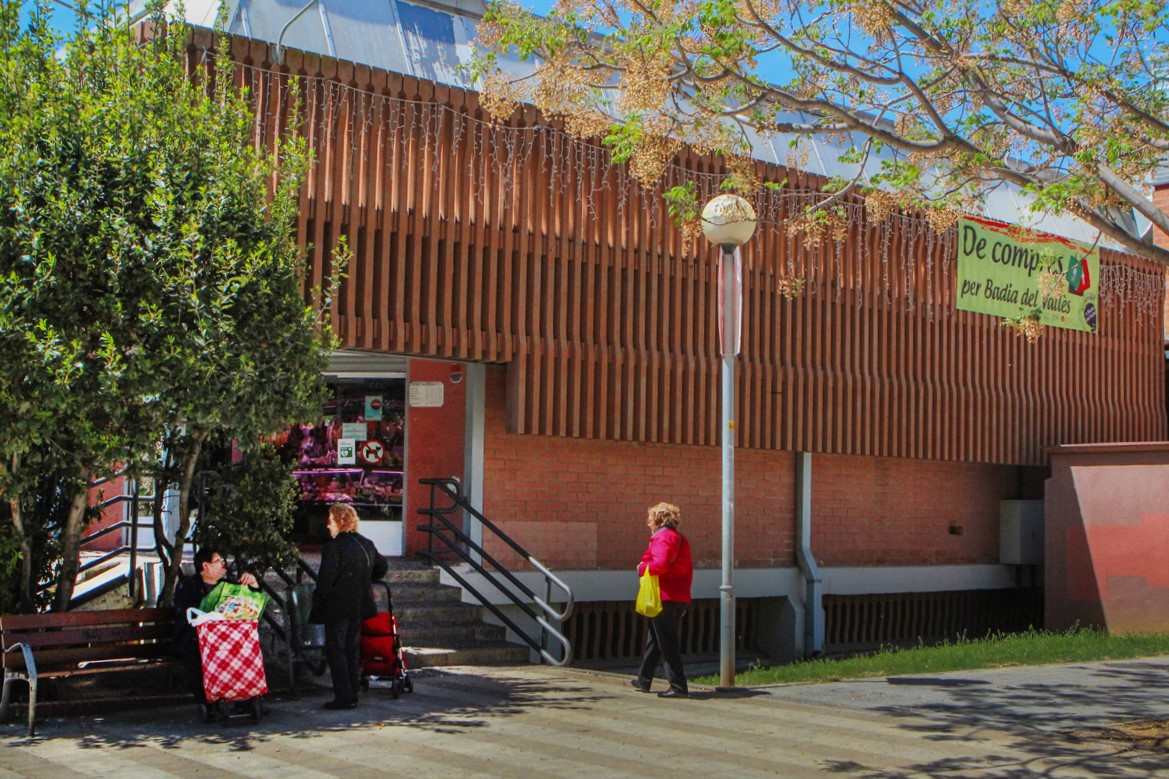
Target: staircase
104 583
437 628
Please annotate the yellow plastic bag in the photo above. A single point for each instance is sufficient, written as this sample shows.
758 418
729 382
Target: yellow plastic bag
649 595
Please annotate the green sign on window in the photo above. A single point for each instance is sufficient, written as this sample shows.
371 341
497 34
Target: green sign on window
1007 271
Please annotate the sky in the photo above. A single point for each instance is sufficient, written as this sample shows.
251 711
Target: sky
63 16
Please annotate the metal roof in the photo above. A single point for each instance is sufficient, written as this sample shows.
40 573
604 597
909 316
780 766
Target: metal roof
430 39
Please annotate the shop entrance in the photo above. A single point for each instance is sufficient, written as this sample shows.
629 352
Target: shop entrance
353 453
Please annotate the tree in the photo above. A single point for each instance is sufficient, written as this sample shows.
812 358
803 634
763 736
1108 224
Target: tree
46 512
150 286
251 506
1065 99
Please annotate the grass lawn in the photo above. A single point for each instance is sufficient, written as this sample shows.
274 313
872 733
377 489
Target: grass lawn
1030 648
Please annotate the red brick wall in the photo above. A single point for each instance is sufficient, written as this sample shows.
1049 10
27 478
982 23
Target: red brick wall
1161 200
109 516
885 511
580 504
434 441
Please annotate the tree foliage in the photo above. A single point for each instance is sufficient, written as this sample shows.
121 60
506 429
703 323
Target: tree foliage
938 100
250 511
150 283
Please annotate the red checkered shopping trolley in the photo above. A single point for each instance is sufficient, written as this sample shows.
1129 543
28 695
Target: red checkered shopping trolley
233 665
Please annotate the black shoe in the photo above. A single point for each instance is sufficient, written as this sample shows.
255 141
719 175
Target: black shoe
672 693
337 705
639 685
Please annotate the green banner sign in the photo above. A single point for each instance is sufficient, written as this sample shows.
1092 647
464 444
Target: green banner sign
1007 271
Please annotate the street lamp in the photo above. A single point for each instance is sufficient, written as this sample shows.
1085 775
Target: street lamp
728 221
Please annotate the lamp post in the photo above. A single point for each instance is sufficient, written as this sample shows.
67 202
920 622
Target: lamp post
728 221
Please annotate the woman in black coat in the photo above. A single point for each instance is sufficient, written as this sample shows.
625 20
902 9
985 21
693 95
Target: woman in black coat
350 563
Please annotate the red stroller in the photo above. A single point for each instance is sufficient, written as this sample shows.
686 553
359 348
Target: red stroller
381 651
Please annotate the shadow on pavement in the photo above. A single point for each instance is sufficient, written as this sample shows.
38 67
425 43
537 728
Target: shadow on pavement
442 702
1050 720
927 681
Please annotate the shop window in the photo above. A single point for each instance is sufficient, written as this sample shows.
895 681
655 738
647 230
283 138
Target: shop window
354 453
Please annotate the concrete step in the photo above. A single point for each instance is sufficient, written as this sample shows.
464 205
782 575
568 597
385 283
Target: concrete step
100 568
483 653
443 611
400 576
442 634
417 593
103 587
437 628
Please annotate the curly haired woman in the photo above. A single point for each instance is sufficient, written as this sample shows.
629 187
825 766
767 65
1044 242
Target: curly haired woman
668 558
349 564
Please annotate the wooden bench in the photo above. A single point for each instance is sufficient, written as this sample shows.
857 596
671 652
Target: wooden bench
46 646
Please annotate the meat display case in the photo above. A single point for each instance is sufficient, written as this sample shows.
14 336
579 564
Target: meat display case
375 493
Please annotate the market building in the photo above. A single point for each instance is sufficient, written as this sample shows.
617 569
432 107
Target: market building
527 319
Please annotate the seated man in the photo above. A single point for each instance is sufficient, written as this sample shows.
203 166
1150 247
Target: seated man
210 568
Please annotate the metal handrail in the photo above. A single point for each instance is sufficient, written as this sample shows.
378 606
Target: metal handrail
502 579
132 497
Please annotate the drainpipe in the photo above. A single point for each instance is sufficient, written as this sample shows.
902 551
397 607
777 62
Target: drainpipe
813 583
473 454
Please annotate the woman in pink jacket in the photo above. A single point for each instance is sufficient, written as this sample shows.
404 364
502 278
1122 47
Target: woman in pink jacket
668 558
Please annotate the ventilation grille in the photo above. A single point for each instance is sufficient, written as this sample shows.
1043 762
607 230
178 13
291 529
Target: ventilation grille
854 623
612 630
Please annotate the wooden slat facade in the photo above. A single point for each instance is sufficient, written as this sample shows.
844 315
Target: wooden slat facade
515 244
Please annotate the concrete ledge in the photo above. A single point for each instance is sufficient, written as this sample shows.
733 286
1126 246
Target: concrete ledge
874 580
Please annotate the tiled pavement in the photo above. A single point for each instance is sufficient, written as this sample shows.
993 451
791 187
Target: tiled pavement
538 721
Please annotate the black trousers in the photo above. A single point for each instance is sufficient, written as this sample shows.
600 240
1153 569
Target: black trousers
192 669
343 651
661 644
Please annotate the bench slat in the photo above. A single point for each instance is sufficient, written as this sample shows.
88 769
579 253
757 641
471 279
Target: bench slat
50 659
87 636
107 667
80 618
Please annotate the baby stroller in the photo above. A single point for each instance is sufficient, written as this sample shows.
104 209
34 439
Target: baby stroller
381 651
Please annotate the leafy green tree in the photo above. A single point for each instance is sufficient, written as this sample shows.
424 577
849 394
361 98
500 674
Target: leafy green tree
150 285
249 511
1065 99
48 508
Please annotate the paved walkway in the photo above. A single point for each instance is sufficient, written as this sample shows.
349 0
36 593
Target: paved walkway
543 722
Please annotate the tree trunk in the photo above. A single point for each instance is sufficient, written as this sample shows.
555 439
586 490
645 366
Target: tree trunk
174 566
164 547
71 543
27 591
28 601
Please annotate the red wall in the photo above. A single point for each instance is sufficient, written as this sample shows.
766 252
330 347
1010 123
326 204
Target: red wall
580 504
434 440
1107 532
874 511
109 516
1161 200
